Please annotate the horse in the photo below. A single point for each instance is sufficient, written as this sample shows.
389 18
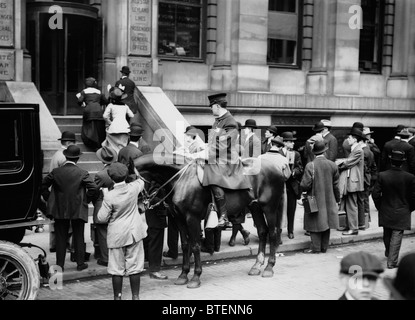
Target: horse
189 200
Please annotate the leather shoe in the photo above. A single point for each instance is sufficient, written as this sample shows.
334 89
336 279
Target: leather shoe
310 251
232 242
342 229
158 276
351 233
363 228
82 267
291 236
167 254
102 263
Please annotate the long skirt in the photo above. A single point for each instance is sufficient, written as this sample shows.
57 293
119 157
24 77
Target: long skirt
93 133
116 141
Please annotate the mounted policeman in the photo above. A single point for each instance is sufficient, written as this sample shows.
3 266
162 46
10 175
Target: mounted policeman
223 170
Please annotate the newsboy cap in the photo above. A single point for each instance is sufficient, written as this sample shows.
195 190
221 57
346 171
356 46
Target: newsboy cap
362 261
118 172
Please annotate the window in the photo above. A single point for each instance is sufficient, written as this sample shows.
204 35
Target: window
285 32
181 28
371 36
11 158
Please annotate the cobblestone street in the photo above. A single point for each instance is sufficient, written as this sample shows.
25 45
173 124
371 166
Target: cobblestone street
297 277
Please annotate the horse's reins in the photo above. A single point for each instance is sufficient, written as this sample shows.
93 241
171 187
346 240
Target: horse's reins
149 198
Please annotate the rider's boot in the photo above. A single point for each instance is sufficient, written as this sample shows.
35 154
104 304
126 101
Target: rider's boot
219 196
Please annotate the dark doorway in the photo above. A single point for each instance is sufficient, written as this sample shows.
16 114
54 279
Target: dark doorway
63 57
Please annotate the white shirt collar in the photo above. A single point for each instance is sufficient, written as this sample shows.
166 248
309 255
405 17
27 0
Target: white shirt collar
134 144
70 162
121 184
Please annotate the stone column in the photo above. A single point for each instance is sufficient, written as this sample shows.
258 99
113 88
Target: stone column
110 18
221 74
317 76
346 76
398 83
252 39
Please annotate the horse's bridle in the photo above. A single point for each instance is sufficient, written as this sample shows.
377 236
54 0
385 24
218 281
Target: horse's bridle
147 198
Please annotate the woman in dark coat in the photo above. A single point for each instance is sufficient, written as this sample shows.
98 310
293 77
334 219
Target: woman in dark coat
321 178
93 124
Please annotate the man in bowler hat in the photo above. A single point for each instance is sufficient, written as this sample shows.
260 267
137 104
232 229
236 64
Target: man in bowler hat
251 144
128 86
270 133
394 197
72 190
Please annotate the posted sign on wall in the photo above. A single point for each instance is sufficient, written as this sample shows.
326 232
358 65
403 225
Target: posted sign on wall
6 65
141 71
6 23
140 27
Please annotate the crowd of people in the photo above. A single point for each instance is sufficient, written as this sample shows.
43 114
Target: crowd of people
127 234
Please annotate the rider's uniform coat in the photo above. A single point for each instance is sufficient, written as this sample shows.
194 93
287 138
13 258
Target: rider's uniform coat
224 167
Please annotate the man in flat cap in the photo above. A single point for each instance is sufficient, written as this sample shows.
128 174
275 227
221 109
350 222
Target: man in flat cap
359 272
224 169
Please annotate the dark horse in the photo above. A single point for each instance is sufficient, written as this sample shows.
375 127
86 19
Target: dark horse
189 200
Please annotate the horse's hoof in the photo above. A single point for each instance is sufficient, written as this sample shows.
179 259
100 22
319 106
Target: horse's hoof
254 272
194 284
181 281
268 274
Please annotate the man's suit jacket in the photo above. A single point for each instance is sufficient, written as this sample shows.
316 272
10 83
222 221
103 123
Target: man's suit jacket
266 146
355 163
297 170
125 224
331 143
102 180
130 88
251 148
398 145
394 197
72 189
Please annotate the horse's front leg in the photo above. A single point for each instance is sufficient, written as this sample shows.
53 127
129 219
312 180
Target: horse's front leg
183 278
195 245
262 231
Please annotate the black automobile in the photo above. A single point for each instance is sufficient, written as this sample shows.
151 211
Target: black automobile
21 162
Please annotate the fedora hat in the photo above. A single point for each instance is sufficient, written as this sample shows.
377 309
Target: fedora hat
399 128
273 129
319 147
68 136
318 127
402 286
250 123
366 131
278 141
217 98
73 152
367 263
288 136
125 70
404 133
358 125
191 131
315 138
106 155
327 123
117 94
136 130
357 133
397 155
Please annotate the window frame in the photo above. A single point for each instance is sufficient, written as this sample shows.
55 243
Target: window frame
300 33
203 33
379 38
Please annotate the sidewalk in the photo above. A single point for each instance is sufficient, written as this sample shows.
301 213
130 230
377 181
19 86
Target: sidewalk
300 242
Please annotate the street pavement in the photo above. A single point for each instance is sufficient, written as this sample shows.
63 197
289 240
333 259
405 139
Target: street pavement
300 242
298 276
